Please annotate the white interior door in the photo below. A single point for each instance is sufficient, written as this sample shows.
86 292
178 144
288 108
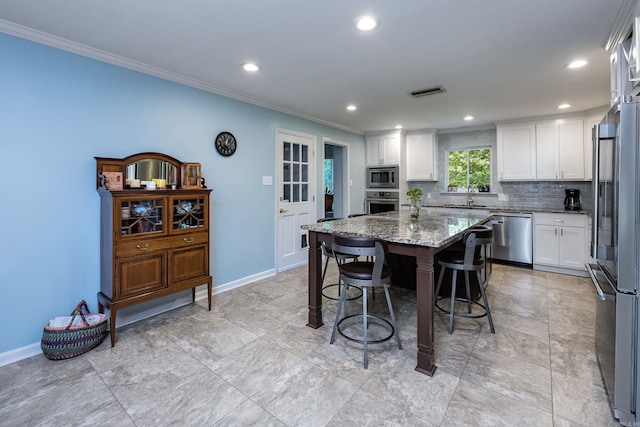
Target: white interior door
295 192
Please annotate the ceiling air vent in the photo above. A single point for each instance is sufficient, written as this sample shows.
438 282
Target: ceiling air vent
425 92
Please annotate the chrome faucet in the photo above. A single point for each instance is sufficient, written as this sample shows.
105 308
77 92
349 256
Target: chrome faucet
469 199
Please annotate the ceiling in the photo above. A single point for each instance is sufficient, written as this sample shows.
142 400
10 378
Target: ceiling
497 59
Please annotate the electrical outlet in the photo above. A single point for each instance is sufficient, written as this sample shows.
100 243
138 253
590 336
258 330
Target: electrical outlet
428 195
503 197
267 180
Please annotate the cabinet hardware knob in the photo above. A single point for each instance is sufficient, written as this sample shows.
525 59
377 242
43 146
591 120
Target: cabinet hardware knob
143 248
189 240
283 210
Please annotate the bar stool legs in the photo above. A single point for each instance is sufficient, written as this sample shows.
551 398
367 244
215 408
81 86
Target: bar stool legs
342 305
485 306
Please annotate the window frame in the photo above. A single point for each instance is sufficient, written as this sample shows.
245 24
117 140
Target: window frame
467 150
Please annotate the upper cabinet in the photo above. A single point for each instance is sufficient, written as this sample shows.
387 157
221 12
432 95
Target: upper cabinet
421 157
516 146
550 150
560 150
384 149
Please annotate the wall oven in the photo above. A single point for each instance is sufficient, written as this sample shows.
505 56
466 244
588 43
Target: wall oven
382 201
383 177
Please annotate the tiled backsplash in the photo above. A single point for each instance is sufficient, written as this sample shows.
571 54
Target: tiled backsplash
522 194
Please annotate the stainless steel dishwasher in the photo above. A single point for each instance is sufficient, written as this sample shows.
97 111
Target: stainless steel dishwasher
512 237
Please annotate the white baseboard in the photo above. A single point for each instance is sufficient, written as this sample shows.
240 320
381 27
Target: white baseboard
20 353
130 315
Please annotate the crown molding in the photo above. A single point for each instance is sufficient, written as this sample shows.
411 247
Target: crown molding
51 40
622 25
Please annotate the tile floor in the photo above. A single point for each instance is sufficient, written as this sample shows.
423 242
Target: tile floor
252 361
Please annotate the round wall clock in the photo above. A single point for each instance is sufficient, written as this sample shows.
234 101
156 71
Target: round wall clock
226 143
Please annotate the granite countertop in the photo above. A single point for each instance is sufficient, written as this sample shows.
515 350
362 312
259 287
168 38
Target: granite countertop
509 209
432 229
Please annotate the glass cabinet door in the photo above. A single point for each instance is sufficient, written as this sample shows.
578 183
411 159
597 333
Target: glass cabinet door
188 212
141 216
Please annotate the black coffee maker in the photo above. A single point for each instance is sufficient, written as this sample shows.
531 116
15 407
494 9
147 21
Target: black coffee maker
572 200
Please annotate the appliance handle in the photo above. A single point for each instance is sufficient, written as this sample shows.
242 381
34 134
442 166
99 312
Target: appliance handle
596 284
596 191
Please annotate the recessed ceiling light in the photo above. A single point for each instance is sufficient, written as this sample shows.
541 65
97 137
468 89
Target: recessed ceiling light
398 126
579 63
563 106
250 66
467 118
352 107
367 23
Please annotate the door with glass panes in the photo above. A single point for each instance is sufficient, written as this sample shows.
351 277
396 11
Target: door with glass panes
295 192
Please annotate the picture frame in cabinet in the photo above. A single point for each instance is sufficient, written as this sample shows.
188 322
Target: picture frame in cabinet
191 175
113 181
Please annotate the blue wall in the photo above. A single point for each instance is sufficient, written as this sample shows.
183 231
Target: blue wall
57 111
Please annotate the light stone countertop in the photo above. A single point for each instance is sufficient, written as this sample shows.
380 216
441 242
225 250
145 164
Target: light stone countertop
432 229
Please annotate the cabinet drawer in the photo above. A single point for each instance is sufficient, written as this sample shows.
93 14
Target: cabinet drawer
149 245
560 220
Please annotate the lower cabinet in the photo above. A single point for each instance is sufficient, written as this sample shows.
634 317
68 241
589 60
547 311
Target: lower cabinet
560 242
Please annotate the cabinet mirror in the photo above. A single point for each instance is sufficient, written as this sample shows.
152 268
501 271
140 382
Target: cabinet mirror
150 169
143 167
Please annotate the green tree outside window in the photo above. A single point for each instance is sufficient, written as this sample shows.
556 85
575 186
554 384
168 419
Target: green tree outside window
469 168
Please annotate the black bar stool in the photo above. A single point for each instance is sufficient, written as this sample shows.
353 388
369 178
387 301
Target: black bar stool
364 274
470 259
328 254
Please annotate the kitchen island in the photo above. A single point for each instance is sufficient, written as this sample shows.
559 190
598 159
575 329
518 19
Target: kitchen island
421 239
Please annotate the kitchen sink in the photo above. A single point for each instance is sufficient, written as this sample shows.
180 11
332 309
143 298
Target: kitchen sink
463 206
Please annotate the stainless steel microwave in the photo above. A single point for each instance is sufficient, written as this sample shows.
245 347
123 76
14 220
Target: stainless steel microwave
383 177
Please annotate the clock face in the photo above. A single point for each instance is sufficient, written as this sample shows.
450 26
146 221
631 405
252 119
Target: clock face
226 143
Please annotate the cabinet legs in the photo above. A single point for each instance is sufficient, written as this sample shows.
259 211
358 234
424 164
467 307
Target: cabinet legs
105 302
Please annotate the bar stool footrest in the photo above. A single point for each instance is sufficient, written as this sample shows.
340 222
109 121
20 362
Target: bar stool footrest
467 315
369 316
355 297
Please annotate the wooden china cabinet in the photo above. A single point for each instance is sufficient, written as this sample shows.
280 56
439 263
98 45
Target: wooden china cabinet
154 230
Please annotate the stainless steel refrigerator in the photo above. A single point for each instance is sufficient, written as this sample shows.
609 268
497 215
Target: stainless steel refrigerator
615 247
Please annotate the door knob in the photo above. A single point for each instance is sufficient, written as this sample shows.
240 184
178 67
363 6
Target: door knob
283 210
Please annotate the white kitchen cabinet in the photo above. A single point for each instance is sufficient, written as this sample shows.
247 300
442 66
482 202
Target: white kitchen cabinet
516 149
421 157
383 149
560 149
547 159
560 242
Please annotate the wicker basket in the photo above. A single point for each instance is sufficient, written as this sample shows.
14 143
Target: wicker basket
72 341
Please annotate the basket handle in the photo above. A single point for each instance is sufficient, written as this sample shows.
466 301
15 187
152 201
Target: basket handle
78 310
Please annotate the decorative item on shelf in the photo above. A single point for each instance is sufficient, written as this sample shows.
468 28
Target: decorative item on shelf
202 184
414 196
191 175
113 181
160 183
